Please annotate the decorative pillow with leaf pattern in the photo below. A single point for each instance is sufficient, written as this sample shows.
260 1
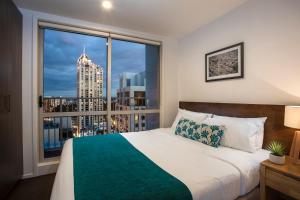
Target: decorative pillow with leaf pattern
207 134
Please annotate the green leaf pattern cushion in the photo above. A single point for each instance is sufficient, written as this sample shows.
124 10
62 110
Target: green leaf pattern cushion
207 134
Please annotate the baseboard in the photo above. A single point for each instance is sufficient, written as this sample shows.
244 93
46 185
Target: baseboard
27 175
44 168
47 168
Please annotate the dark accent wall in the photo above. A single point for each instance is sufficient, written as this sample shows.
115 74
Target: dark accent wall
11 155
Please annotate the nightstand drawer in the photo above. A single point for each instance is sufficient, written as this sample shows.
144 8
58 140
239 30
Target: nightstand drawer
282 183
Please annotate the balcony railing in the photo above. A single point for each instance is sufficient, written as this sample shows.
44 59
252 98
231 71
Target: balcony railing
78 104
74 104
68 117
129 103
56 130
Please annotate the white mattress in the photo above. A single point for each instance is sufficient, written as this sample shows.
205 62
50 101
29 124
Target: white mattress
209 173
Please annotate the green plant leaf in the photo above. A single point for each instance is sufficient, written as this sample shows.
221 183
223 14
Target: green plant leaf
276 148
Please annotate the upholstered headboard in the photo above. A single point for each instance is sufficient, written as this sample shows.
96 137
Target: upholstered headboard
274 128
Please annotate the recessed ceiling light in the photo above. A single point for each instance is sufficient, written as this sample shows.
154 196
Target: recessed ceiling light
107 5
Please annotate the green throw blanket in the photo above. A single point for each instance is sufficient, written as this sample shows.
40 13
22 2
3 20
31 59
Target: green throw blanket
109 167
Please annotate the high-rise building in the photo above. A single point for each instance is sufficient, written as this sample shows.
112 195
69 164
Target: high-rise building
89 92
130 96
131 90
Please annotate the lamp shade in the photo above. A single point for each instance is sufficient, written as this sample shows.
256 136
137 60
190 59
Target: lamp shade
292 116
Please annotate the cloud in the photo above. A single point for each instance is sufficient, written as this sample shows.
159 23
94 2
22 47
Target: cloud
62 49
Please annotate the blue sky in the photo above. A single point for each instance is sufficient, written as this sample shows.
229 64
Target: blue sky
62 49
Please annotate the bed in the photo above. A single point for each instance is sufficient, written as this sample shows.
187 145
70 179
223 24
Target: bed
193 170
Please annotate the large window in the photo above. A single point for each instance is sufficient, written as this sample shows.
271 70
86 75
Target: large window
134 85
95 84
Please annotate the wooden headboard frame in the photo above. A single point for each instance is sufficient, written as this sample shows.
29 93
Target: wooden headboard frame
274 128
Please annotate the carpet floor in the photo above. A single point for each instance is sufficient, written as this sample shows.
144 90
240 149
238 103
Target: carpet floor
38 188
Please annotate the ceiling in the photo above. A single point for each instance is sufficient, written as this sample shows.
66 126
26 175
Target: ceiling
173 18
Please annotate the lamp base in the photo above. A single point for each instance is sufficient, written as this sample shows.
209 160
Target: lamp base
295 149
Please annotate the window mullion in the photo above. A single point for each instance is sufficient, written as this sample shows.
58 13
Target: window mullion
108 84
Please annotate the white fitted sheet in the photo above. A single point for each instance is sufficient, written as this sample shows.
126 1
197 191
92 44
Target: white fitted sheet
209 173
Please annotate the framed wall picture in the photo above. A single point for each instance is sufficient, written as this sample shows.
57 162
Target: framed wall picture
226 63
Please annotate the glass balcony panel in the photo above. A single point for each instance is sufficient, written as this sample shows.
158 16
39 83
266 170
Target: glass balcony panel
56 130
134 122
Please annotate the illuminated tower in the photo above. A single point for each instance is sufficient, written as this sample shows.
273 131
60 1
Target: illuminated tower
89 92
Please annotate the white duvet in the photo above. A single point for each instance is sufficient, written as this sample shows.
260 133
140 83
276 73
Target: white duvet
209 173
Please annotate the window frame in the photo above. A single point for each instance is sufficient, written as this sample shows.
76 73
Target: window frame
108 113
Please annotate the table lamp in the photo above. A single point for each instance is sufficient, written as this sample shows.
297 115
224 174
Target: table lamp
292 120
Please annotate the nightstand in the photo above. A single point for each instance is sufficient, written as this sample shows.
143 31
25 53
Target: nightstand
283 178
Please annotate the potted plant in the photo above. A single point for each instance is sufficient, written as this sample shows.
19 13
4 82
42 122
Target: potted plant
277 152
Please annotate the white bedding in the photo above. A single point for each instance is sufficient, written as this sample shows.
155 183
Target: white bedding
209 173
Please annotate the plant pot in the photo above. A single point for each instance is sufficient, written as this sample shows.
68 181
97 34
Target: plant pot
280 160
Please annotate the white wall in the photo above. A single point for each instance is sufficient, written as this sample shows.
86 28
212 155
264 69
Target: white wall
269 28
169 98
170 82
271 32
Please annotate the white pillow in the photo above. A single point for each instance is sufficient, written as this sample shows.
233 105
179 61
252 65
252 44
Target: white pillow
195 116
245 134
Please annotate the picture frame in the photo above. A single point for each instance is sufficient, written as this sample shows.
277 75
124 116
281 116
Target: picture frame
225 63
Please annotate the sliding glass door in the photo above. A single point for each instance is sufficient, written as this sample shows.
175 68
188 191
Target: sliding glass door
134 86
92 84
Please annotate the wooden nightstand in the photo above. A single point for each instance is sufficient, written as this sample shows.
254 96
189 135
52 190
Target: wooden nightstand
283 178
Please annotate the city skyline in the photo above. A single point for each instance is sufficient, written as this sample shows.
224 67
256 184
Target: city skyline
62 50
75 72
